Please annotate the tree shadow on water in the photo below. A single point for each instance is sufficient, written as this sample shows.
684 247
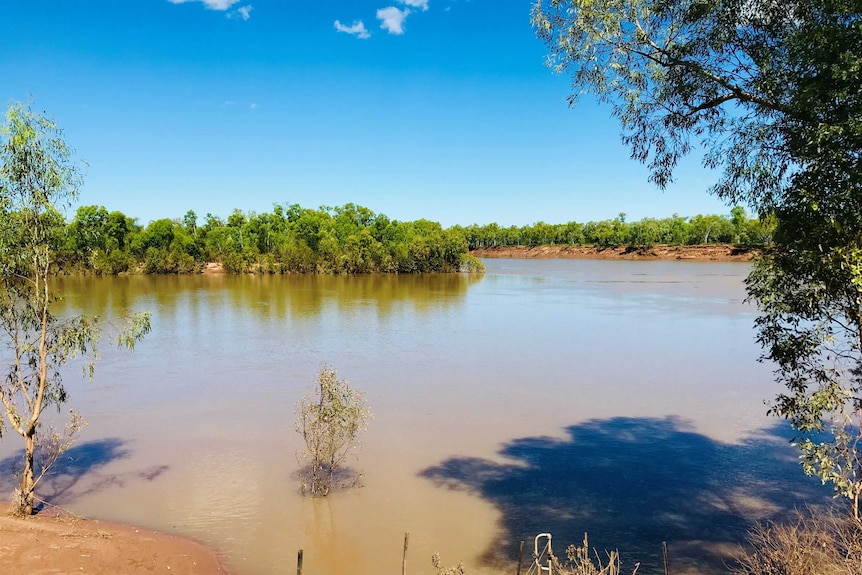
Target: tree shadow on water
632 483
78 472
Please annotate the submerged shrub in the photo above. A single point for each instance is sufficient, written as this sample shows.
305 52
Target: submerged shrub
330 418
471 264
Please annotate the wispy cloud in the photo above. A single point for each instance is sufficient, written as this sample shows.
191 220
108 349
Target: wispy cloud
241 13
233 104
221 5
392 19
421 4
357 29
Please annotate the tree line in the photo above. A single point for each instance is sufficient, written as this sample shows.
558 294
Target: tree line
352 239
349 239
737 228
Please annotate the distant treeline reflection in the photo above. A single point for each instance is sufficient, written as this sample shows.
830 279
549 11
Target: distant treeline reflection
351 239
297 297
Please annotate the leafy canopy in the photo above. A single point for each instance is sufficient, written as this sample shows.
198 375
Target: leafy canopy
748 82
771 93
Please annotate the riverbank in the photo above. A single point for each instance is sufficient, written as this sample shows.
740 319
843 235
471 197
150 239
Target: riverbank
701 253
49 543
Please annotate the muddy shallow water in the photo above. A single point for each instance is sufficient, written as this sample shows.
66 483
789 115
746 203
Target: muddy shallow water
619 398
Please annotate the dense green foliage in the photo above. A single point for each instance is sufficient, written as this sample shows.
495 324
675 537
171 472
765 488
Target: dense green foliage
772 93
354 240
291 239
738 228
810 290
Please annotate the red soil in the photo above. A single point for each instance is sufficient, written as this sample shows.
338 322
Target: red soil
49 544
704 253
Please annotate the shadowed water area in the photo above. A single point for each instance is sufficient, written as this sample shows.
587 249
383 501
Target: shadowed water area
619 398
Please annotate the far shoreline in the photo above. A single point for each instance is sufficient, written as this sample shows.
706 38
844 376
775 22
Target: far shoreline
659 252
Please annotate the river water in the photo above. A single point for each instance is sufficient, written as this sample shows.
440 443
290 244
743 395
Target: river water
618 398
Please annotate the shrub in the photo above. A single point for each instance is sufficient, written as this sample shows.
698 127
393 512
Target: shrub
579 562
819 543
443 570
471 264
331 416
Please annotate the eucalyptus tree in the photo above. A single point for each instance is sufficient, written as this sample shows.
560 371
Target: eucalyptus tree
38 178
771 93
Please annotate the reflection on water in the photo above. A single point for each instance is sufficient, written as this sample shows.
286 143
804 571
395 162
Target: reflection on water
279 298
482 383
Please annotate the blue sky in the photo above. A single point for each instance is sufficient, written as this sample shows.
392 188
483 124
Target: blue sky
437 109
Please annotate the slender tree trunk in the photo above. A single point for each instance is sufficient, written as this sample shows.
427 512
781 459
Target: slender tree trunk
856 504
858 320
28 482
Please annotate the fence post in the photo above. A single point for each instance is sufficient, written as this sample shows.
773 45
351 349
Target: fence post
299 563
520 556
404 559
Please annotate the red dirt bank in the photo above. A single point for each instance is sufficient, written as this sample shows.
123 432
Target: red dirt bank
704 253
47 544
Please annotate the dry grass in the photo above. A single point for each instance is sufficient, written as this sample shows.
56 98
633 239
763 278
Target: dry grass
818 543
443 570
580 562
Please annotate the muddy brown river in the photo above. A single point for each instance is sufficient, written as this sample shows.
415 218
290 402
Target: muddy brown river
618 398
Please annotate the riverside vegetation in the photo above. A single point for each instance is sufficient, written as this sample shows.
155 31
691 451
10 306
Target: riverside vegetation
353 239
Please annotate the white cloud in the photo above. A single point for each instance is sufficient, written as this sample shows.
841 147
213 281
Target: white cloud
392 19
357 29
221 5
421 4
234 105
243 12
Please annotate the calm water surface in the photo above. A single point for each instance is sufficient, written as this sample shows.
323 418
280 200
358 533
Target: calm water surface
619 398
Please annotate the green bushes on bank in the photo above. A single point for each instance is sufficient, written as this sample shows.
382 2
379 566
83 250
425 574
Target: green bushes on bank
352 239
738 228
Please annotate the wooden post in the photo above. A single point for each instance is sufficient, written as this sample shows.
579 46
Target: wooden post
520 556
664 555
299 563
404 559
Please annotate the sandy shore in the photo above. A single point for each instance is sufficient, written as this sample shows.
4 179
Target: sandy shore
49 544
705 253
